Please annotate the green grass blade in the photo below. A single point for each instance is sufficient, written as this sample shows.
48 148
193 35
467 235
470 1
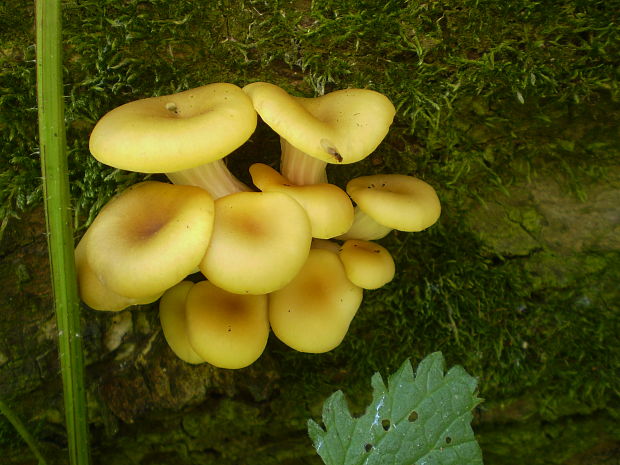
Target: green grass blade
58 215
22 431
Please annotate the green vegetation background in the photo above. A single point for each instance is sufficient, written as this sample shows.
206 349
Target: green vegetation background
489 94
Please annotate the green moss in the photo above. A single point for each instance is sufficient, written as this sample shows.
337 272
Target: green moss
501 228
557 270
544 443
9 438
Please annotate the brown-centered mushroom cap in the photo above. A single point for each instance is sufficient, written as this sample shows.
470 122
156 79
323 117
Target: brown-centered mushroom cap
93 293
226 330
149 237
313 312
260 241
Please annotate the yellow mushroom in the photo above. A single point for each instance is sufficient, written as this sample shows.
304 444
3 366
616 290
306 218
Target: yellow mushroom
391 201
173 319
149 238
341 127
92 291
313 312
226 330
328 207
185 135
259 243
367 264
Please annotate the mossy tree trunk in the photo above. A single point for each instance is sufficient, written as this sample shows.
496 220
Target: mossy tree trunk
509 110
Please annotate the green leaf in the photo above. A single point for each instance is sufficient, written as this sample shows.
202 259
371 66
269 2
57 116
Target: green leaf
421 420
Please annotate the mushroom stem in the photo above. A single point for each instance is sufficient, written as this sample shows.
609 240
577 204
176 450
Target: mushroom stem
214 177
300 168
365 228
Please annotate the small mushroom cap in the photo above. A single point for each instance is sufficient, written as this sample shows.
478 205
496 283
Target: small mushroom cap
313 312
150 237
174 132
260 241
328 207
397 201
343 126
227 330
174 322
93 293
367 264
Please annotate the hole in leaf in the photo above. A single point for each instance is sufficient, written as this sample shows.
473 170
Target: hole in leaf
386 424
368 447
413 416
448 439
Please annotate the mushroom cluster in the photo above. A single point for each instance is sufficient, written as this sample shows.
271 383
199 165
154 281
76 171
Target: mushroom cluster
291 254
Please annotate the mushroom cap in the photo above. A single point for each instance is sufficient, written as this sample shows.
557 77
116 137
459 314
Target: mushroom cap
93 293
367 264
343 126
174 322
227 330
150 237
397 201
260 241
328 207
174 132
313 312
